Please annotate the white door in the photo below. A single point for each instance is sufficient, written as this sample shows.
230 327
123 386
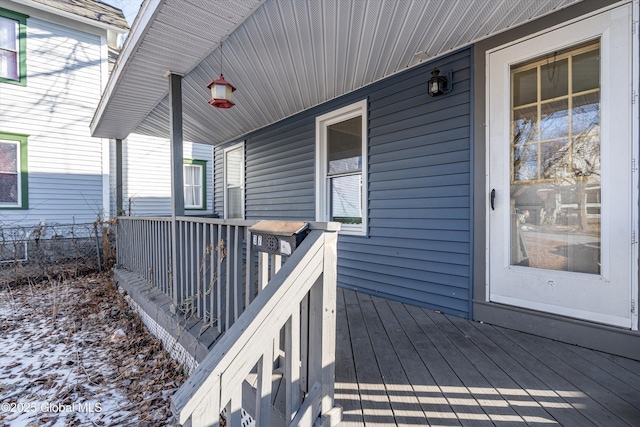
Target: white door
560 171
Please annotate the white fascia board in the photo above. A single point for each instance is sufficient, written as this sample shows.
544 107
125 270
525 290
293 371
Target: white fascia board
146 15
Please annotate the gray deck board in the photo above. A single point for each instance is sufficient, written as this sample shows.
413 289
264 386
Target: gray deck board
463 406
403 400
630 365
615 411
430 398
606 363
376 407
597 373
534 378
346 390
491 365
495 408
411 366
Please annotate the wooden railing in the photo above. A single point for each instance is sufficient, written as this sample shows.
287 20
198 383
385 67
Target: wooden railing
208 269
144 247
300 299
275 311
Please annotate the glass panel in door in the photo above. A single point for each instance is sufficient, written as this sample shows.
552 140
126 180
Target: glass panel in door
555 162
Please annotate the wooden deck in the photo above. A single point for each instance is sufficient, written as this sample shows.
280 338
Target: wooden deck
403 365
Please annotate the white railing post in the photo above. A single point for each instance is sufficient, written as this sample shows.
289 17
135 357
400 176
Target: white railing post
329 283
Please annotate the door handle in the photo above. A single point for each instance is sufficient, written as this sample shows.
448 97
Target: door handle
493 199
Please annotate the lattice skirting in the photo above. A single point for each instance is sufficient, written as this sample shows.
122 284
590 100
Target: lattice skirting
175 349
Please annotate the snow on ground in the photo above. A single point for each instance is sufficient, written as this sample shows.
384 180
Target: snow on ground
73 354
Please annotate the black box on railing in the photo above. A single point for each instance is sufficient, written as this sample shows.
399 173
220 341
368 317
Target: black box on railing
278 237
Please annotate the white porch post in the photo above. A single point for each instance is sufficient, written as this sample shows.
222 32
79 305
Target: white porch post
177 186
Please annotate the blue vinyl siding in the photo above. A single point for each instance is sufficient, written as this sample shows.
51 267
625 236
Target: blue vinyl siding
418 245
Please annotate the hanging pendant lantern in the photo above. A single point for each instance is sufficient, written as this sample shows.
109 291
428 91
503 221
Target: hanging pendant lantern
221 93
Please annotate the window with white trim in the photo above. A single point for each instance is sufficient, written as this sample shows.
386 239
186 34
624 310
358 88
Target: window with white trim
234 182
12 47
341 168
195 173
13 171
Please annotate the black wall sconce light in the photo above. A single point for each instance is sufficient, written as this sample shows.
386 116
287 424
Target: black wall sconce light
439 84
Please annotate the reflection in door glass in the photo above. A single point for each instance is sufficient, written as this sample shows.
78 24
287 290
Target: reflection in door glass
555 161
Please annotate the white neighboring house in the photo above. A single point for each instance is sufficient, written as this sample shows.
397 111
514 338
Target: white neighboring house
146 185
55 58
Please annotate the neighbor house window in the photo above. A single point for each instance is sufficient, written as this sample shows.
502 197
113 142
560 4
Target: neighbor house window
341 168
234 182
13 171
12 47
195 177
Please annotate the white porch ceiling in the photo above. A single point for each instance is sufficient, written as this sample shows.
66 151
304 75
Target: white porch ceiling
284 56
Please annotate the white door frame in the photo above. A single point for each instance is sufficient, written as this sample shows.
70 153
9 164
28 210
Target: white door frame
633 274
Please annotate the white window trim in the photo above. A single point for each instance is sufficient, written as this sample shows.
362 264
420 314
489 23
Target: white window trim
226 206
202 176
18 145
322 181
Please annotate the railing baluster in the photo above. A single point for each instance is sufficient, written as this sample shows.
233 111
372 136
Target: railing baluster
292 365
157 275
139 254
199 262
304 344
165 262
187 260
149 253
131 262
183 255
146 247
212 273
248 269
263 270
145 253
237 273
159 257
315 333
219 278
134 258
228 278
276 263
263 388
162 267
184 259
235 408
193 269
154 251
